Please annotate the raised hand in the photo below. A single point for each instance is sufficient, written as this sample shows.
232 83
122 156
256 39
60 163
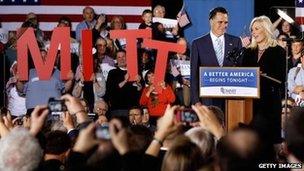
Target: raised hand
208 120
119 136
75 108
38 117
86 139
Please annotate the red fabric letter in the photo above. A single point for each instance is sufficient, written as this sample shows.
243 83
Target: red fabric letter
131 49
87 57
163 49
60 37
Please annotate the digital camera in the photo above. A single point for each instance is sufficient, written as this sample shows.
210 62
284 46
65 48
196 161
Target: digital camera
102 132
187 115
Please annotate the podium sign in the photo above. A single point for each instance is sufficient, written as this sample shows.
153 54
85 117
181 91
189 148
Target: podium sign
229 82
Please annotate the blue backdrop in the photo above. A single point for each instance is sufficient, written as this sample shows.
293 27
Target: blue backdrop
241 12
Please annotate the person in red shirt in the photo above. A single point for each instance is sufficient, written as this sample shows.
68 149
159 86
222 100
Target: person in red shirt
156 102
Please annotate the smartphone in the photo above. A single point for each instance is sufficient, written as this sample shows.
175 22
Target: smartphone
92 116
102 132
56 108
187 115
56 105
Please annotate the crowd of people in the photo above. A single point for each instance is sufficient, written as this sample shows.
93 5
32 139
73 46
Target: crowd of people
113 123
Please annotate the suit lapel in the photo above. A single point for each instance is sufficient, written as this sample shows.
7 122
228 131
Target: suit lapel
211 50
228 46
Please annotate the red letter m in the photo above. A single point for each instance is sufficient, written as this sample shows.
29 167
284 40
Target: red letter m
60 37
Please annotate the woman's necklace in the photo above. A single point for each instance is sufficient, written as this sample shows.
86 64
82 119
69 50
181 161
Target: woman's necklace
260 53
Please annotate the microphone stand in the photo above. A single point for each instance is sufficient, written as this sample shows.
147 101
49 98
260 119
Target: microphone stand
286 79
270 78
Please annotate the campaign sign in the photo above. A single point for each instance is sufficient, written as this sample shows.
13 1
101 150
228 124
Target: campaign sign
167 22
229 82
3 36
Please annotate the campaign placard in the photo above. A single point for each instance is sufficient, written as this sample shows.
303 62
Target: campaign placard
3 36
167 22
230 82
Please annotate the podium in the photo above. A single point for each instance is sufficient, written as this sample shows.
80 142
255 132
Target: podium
238 85
237 111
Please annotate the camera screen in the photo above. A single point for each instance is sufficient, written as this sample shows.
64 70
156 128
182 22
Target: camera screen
189 116
92 116
56 105
102 132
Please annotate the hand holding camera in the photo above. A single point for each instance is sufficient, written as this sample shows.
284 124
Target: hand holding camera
102 132
86 139
187 116
67 121
208 120
56 105
75 108
119 136
38 117
165 124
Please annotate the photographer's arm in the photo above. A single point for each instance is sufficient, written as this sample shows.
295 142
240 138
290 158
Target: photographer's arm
75 108
165 126
276 24
209 121
68 121
86 140
77 91
3 129
119 136
38 117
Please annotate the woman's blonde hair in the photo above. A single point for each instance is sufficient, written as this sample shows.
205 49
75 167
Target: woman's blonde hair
266 25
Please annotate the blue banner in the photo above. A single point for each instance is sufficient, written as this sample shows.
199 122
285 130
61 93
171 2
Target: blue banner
228 77
229 82
241 12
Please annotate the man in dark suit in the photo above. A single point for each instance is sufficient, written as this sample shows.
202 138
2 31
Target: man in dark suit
211 50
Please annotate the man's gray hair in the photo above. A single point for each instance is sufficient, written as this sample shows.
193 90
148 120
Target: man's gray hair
203 139
19 151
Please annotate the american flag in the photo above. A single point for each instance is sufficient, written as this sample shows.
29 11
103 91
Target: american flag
299 13
13 12
182 17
